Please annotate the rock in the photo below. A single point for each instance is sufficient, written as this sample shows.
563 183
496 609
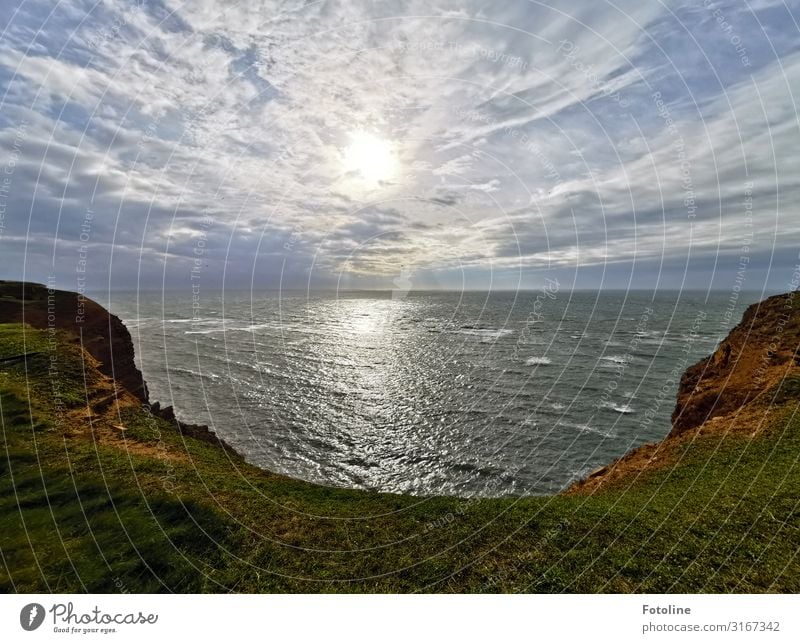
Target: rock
756 355
102 334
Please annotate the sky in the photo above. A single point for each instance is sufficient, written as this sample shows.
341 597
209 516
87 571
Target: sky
460 145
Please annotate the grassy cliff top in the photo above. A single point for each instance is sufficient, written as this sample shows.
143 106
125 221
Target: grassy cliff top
98 494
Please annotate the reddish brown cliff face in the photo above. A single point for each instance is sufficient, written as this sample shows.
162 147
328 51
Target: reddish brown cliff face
104 336
757 354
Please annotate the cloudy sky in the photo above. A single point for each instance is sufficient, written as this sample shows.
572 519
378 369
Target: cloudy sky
449 144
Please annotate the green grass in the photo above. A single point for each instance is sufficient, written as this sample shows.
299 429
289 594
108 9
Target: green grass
185 516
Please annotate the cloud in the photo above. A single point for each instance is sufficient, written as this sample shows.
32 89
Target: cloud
529 137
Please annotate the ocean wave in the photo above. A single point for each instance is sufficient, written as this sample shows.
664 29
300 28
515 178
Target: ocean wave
538 361
252 327
223 328
196 322
625 409
585 428
484 332
651 333
615 359
189 371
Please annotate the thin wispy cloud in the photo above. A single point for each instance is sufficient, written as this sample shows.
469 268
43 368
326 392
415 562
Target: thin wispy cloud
518 140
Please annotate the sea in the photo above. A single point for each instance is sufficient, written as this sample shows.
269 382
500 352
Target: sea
427 393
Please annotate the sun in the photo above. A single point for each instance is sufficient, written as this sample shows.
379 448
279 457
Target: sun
370 156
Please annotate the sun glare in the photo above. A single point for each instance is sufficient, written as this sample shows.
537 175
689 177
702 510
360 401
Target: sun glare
370 156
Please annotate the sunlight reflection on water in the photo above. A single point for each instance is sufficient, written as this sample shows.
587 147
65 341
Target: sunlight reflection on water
429 393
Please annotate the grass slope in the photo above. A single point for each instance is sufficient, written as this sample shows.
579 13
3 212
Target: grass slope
90 507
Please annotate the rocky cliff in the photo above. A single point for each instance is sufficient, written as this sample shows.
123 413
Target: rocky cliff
103 336
756 355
